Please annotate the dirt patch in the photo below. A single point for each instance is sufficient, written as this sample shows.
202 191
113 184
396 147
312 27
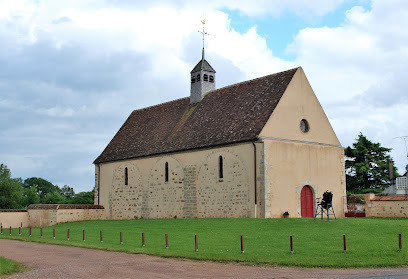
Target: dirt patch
54 261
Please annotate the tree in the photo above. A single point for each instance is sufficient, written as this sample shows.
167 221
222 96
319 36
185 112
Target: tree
54 198
30 196
10 189
43 186
367 166
83 198
67 192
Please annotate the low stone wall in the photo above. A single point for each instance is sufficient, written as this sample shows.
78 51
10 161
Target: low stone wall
14 218
386 206
40 215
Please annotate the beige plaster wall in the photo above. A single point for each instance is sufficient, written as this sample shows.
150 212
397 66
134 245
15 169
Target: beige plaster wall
193 190
13 219
290 166
294 159
300 102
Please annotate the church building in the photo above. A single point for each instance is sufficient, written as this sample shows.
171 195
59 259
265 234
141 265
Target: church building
255 149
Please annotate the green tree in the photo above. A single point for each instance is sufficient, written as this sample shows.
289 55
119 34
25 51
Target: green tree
10 189
54 198
30 196
367 166
43 186
67 192
83 198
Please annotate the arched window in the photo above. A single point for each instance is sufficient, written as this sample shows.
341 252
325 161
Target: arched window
198 77
205 77
193 79
220 168
166 172
126 176
211 78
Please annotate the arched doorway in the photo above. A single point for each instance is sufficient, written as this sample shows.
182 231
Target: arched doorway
306 202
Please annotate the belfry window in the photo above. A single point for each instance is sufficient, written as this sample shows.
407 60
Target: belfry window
211 78
166 172
205 77
198 77
220 168
126 176
193 79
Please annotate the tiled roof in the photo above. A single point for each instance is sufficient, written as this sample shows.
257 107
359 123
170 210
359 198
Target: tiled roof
232 114
391 198
203 65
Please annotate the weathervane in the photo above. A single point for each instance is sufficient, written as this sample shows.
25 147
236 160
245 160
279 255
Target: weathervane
203 33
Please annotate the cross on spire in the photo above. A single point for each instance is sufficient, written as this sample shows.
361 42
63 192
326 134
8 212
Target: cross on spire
203 33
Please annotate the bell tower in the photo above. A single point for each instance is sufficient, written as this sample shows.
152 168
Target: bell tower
202 76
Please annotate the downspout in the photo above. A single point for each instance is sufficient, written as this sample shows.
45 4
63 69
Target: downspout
99 181
255 178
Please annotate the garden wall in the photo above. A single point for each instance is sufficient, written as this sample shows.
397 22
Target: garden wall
14 218
386 206
40 215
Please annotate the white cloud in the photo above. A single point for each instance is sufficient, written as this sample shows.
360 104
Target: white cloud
357 71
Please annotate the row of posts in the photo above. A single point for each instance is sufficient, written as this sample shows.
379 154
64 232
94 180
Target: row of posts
195 239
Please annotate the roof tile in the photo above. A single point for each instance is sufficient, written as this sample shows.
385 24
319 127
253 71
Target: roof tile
232 114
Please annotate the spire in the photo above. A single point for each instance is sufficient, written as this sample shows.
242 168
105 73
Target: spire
203 33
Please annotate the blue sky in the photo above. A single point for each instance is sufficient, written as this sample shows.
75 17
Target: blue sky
72 72
280 30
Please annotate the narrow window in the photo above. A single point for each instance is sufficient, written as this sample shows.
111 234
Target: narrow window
220 168
205 77
192 79
211 78
198 77
126 176
166 172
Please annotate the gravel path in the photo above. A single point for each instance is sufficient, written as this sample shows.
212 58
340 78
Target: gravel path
54 261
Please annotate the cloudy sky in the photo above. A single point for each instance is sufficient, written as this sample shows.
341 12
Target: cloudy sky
72 71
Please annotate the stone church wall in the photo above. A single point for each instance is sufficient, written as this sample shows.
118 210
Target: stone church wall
194 188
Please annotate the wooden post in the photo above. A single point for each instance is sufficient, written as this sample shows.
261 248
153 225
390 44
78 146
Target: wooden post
101 236
68 234
53 233
30 231
143 240
41 233
10 230
399 242
121 237
1 229
19 231
242 244
344 244
167 241
196 243
83 235
291 244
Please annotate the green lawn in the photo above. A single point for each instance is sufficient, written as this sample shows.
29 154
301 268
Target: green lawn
371 242
8 267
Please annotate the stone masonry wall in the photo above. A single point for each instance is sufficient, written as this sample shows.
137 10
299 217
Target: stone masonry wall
194 188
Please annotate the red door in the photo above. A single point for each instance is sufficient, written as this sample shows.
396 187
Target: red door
306 202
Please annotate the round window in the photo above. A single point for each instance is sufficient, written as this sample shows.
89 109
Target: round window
304 126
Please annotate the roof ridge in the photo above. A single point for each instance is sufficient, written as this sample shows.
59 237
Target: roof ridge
250 80
161 104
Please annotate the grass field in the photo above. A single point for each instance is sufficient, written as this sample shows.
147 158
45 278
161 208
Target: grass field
8 267
371 242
